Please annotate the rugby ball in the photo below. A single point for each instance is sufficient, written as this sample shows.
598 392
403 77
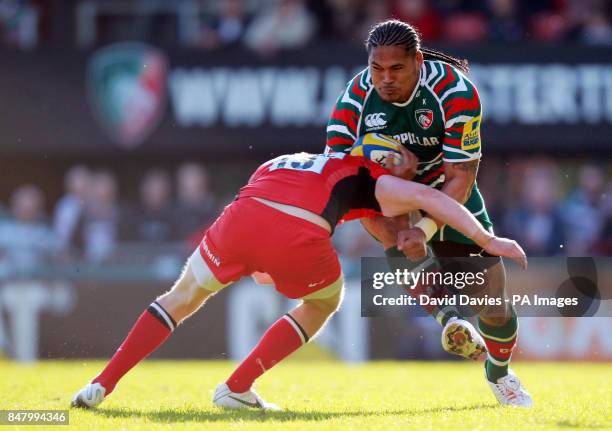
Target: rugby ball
376 147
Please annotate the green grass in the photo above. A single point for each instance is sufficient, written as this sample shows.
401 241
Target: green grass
319 395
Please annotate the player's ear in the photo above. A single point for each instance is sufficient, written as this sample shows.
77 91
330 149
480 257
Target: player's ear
419 57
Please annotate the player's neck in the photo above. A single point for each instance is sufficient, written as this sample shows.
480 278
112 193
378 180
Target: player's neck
403 101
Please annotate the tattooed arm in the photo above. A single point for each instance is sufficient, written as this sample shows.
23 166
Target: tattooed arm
460 177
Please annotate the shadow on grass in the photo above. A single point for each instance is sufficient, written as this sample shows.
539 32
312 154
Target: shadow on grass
219 415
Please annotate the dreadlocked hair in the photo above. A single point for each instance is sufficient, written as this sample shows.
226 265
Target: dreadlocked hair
394 32
459 63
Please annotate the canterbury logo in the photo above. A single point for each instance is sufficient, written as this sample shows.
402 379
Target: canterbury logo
375 120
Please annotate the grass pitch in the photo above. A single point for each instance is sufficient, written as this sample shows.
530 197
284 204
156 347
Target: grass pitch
318 395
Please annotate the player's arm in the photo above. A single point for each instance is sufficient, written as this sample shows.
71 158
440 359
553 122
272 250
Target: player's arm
458 183
459 179
461 144
397 196
461 152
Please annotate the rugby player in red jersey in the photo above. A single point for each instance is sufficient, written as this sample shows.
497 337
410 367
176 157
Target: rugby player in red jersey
424 99
281 225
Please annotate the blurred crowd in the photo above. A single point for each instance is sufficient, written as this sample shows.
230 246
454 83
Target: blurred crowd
91 220
548 212
270 25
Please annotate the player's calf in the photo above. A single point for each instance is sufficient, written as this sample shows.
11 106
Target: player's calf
149 332
286 335
500 341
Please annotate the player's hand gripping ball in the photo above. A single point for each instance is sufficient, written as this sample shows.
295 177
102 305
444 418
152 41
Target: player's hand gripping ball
387 152
376 147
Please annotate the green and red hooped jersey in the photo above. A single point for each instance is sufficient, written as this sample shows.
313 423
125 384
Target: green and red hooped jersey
440 122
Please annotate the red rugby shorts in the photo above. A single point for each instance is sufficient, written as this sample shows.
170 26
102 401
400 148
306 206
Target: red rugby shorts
251 236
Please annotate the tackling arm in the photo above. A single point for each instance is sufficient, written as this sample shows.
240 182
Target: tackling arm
397 196
460 178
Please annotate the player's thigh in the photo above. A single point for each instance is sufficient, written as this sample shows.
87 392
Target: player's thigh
450 249
220 258
200 275
317 307
455 256
186 295
307 264
328 298
496 314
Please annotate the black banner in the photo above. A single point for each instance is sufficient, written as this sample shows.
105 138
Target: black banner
134 99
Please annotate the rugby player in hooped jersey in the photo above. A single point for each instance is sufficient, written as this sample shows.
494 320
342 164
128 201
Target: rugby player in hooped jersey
424 100
281 225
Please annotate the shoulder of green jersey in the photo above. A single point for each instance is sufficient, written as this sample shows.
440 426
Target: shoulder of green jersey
433 73
363 82
436 71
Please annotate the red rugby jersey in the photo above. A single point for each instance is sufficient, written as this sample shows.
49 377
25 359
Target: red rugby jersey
336 186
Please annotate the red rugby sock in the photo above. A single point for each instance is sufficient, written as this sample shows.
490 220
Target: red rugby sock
284 337
151 329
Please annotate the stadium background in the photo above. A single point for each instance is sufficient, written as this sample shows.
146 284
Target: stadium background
127 125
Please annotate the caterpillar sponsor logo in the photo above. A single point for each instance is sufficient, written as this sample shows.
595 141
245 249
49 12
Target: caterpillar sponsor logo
375 121
424 117
204 247
470 139
413 139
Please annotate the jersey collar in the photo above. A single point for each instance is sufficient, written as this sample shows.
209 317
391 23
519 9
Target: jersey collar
416 87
